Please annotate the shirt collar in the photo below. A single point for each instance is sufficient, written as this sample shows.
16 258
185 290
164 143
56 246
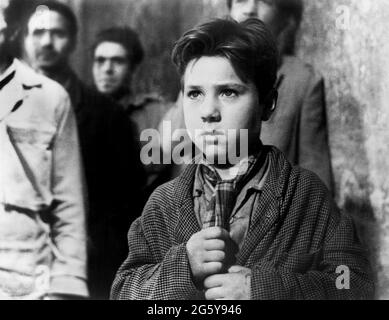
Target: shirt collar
256 183
235 171
26 76
18 89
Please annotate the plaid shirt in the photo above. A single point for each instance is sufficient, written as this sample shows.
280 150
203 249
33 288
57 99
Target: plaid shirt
242 206
218 195
296 241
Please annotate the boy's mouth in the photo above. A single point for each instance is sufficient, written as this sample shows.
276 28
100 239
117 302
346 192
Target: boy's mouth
212 133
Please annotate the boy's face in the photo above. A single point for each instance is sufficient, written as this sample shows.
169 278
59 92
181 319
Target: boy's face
48 43
265 10
216 103
111 67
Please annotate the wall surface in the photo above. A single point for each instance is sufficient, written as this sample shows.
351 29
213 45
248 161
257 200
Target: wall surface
346 40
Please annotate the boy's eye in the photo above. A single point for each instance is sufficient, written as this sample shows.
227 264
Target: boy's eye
229 93
194 94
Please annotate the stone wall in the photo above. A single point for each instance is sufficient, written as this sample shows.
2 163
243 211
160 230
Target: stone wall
347 41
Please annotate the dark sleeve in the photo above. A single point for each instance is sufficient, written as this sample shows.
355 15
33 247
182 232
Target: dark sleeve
154 269
126 180
314 153
342 250
126 165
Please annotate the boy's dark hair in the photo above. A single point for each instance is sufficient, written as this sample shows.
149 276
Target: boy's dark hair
249 46
293 8
126 37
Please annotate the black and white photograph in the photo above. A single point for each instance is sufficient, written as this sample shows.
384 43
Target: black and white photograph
194 150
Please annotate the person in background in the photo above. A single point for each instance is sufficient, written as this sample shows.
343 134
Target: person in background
117 53
238 228
42 195
301 110
298 127
114 174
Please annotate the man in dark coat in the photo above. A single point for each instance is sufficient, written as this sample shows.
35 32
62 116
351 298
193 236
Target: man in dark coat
117 53
113 172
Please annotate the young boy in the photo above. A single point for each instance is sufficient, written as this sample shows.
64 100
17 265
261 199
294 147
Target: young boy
256 228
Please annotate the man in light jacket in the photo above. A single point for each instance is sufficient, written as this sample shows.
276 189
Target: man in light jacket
42 209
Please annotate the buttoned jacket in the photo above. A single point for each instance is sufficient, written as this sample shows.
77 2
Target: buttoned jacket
42 227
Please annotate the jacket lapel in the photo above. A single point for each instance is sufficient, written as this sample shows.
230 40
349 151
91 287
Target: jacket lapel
267 212
11 93
265 215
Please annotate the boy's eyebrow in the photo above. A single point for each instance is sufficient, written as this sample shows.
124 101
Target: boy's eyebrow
193 87
230 85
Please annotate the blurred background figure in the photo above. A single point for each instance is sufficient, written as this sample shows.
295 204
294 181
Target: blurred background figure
113 171
42 199
117 52
298 127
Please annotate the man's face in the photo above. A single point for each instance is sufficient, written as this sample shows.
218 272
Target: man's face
111 67
48 43
265 10
216 101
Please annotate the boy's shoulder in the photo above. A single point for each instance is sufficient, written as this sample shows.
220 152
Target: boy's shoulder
292 180
163 193
174 194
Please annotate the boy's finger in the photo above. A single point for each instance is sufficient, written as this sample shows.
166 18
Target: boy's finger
214 294
213 281
216 233
236 269
214 244
212 267
214 256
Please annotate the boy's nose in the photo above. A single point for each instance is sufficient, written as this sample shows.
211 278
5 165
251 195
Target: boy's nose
210 111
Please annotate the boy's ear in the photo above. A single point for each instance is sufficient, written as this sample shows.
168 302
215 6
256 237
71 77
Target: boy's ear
270 104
